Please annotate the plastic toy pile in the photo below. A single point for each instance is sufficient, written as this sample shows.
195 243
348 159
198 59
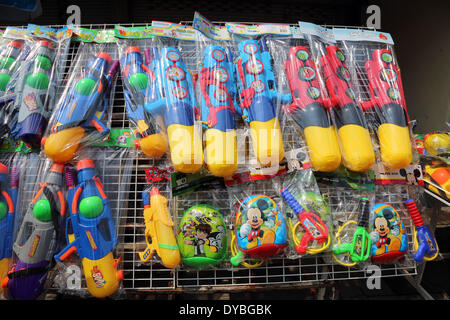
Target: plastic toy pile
263 117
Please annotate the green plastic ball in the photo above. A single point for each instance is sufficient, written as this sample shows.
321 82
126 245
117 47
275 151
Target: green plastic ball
6 62
91 207
42 210
4 79
38 81
86 86
44 62
3 210
138 81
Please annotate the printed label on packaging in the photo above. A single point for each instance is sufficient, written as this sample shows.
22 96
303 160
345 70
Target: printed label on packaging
93 35
341 34
133 32
248 30
50 33
155 174
118 137
410 175
182 183
15 33
315 30
9 145
173 30
342 177
209 29
297 159
297 33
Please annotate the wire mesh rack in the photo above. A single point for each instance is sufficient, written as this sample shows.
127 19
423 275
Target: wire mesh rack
154 277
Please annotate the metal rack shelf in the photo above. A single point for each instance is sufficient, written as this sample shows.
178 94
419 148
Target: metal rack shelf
277 272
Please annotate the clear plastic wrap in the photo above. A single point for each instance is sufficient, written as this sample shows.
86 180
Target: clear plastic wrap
161 245
258 97
97 187
371 55
140 89
39 235
38 82
173 63
308 216
217 93
82 115
10 167
348 118
259 228
202 207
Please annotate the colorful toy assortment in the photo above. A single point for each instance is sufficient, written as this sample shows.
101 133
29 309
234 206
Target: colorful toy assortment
192 95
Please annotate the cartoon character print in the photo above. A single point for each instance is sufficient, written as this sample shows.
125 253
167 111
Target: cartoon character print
259 215
215 239
200 236
386 232
122 140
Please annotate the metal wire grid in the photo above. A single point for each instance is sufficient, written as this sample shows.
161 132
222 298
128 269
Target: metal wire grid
142 277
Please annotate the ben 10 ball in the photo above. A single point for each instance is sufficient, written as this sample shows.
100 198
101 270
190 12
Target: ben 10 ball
388 234
260 227
202 236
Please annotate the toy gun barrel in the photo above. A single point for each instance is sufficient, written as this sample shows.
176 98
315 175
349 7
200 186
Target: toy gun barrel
35 92
292 202
218 109
160 230
387 98
425 242
356 144
8 63
92 235
139 87
309 112
82 109
257 92
185 142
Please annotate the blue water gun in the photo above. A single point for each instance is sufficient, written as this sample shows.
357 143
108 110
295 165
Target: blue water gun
218 109
34 93
8 200
175 102
139 89
90 231
257 92
424 242
82 109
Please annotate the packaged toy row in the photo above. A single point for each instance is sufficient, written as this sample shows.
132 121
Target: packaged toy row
59 219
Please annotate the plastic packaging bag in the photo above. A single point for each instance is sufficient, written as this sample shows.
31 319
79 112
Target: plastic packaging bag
308 216
173 63
97 187
139 84
217 93
83 113
371 55
309 109
39 80
348 118
201 206
259 99
259 229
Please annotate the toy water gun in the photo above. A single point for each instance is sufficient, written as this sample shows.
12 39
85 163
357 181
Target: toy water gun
90 231
8 63
310 110
438 180
437 143
37 239
140 85
315 228
388 102
356 145
359 249
257 90
159 228
218 101
82 109
35 90
424 242
175 102
8 200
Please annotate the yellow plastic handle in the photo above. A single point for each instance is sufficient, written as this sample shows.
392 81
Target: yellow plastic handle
221 152
101 276
186 148
267 141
